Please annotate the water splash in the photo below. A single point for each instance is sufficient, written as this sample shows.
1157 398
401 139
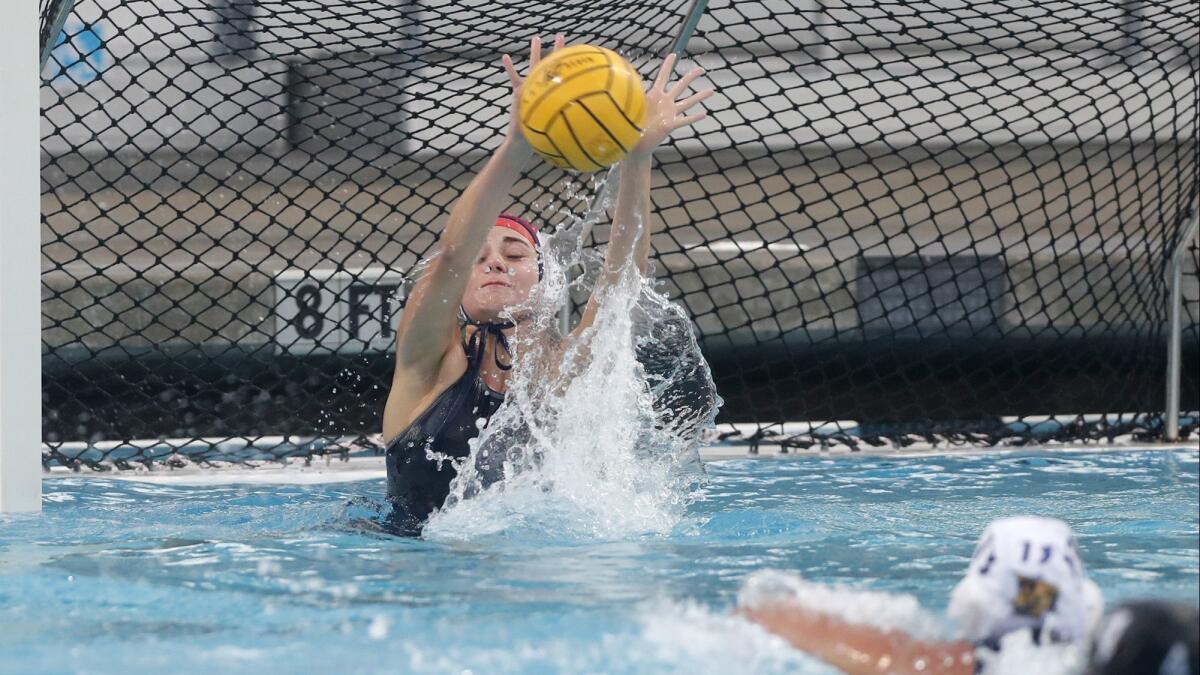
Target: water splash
885 611
688 637
598 433
1020 655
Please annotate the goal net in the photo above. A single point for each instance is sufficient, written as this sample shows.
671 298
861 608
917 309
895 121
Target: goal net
903 219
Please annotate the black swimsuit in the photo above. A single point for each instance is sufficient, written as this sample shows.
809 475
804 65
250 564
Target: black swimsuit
418 477
419 480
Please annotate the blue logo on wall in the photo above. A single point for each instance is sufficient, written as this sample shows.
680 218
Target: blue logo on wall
79 53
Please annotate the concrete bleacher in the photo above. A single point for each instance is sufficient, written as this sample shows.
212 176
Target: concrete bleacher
195 275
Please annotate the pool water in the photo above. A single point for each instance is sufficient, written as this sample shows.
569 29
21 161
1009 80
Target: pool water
124 576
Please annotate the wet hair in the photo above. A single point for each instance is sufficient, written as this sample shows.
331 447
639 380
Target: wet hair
1148 638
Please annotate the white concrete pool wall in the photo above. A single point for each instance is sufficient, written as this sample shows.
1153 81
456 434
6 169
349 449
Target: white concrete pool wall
329 469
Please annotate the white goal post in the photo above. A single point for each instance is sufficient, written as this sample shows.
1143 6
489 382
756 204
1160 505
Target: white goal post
20 262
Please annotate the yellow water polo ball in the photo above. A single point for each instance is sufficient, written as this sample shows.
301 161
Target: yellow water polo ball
583 108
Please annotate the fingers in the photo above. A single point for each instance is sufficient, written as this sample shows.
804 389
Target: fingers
681 122
664 73
513 77
693 100
685 81
535 57
535 51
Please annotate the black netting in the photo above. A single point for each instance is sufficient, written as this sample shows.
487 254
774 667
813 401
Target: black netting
938 220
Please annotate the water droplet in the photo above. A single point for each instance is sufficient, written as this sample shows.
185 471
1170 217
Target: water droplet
378 629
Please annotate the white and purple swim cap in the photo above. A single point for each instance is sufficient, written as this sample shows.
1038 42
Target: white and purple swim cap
1026 574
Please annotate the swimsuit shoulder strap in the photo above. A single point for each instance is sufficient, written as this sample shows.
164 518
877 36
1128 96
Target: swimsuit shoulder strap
475 345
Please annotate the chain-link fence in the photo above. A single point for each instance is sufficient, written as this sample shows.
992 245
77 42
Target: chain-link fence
937 220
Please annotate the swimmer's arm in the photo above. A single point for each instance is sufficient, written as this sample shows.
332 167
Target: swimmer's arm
858 649
632 225
431 312
627 238
630 234
632 220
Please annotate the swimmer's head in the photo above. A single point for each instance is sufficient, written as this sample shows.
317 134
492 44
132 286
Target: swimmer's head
1148 638
1026 574
506 270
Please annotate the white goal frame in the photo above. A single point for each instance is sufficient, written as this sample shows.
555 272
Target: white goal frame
20 261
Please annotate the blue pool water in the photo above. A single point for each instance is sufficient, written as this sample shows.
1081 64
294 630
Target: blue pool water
122 576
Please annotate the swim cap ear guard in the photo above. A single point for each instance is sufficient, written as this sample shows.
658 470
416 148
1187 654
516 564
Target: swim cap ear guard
1026 574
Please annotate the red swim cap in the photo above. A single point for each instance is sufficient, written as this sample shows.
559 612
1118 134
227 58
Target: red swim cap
520 226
